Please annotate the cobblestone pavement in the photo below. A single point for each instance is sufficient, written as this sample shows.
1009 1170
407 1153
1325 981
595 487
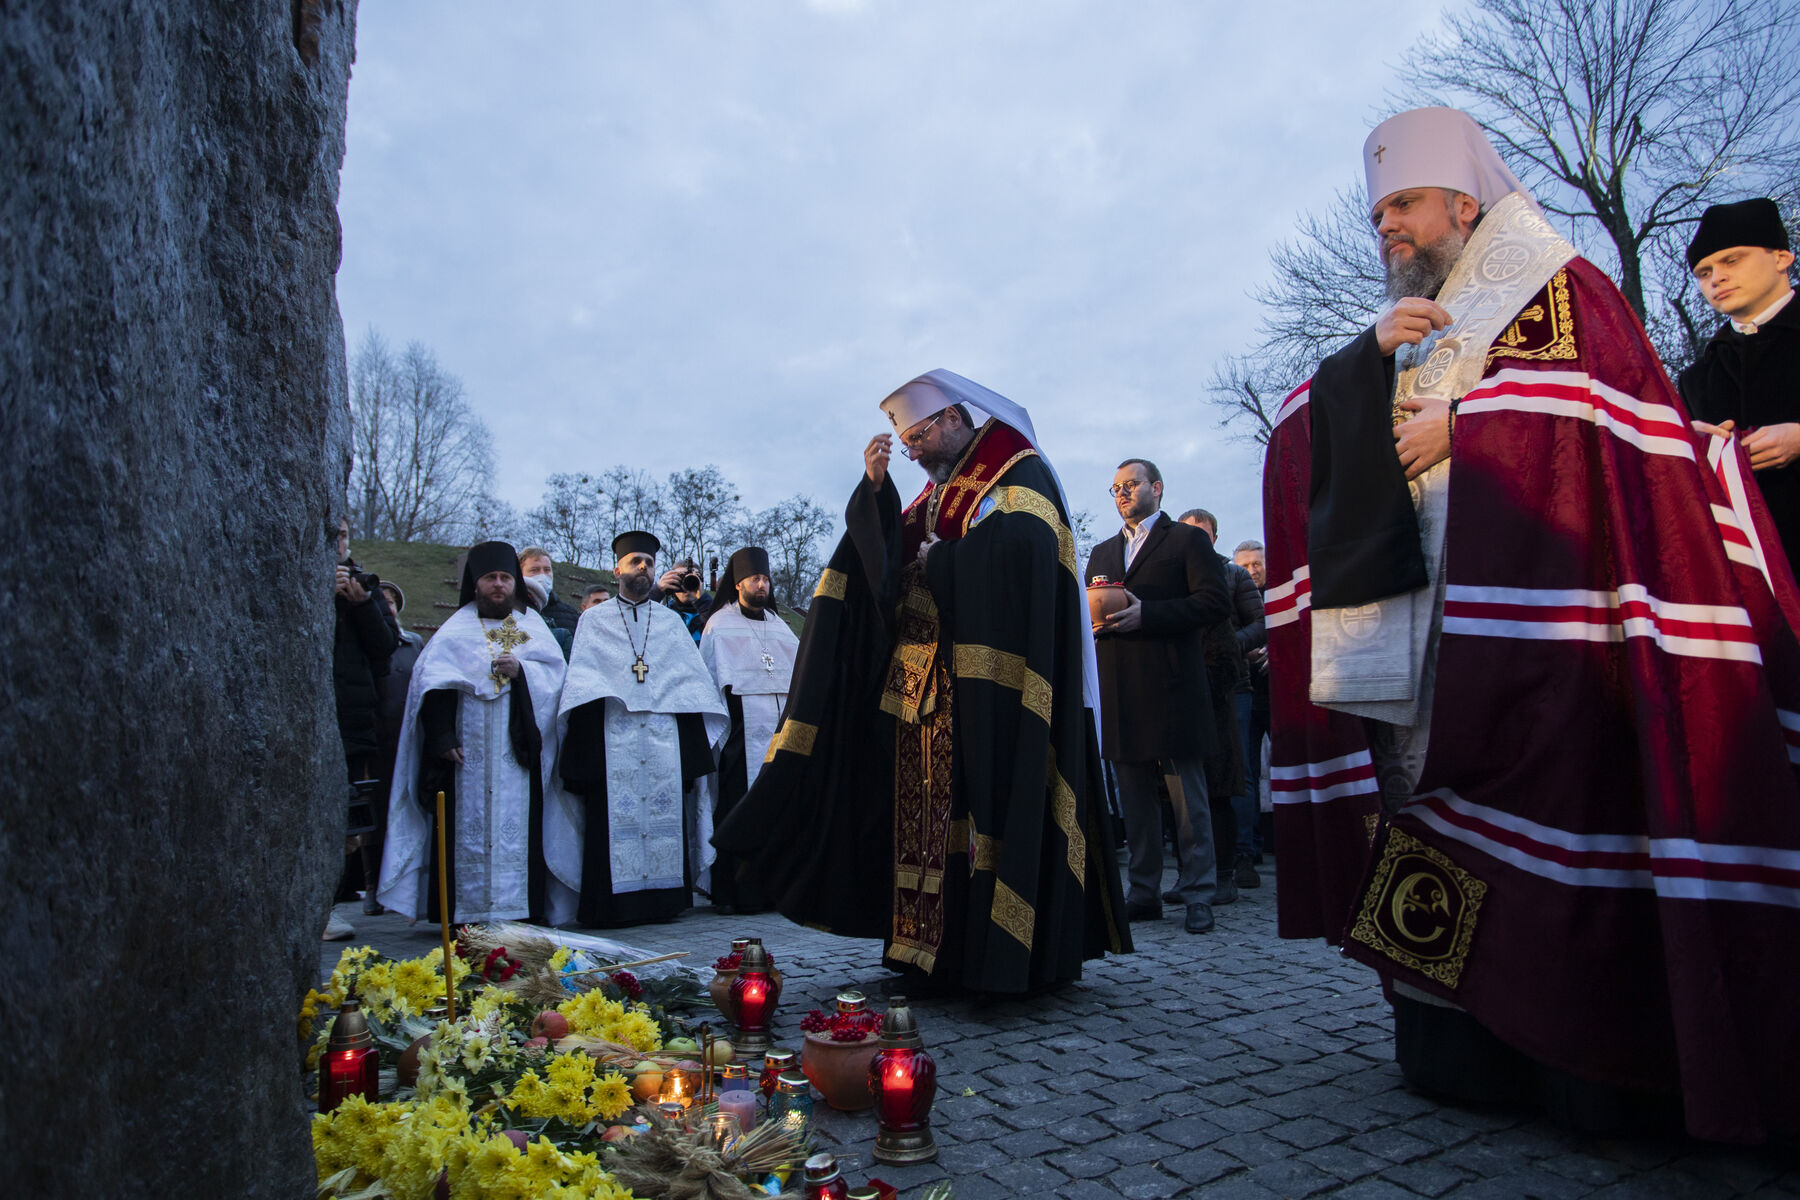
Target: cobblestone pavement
1231 1065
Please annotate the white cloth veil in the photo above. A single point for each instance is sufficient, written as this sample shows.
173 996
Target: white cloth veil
993 404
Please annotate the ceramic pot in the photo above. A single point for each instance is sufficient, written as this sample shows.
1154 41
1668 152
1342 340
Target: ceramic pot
1104 600
840 1070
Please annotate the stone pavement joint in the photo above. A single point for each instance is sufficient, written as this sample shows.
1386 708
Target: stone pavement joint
1231 1065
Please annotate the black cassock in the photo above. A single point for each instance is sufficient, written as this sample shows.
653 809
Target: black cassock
1030 888
438 711
734 883
584 775
1754 379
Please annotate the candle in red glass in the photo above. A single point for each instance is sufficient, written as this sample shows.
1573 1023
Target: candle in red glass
754 999
903 1080
350 1065
774 1063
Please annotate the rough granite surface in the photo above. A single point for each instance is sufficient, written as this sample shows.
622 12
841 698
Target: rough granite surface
174 422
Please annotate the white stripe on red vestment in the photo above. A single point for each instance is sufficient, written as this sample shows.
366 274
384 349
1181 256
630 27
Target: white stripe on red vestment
1572 614
1741 543
1315 783
1677 868
1282 604
1294 403
1651 427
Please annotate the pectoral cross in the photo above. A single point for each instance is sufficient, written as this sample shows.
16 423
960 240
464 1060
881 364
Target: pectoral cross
1379 151
768 661
508 636
640 668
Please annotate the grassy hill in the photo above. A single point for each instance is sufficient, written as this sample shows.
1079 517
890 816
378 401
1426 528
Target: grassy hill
426 572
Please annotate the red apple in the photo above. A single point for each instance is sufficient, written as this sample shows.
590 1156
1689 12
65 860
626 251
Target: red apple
550 1024
518 1137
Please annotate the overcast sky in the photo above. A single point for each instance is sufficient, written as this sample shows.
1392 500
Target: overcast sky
684 233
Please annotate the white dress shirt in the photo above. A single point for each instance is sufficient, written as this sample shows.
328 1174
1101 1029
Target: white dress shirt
1135 538
1764 317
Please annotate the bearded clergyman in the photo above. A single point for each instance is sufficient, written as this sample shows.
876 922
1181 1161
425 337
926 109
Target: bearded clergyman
750 651
639 717
1534 696
935 781
480 726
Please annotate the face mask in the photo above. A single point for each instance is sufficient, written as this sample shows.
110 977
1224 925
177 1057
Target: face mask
540 587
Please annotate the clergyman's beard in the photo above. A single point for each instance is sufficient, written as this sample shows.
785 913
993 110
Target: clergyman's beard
635 588
1425 269
494 610
757 600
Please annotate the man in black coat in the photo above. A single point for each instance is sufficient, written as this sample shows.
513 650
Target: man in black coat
1747 379
362 645
1156 713
539 581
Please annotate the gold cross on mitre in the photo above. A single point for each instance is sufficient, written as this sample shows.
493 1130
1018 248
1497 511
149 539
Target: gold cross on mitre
1379 151
508 636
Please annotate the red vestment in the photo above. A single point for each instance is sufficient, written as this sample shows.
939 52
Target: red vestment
1600 861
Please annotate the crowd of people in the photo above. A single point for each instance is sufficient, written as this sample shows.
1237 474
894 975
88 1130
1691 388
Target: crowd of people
1529 741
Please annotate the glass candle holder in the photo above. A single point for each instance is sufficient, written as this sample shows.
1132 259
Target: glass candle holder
775 1061
350 1066
792 1106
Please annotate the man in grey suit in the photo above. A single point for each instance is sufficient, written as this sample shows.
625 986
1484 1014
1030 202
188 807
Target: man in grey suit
1155 707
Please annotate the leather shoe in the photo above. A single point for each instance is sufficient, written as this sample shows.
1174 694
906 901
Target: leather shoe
1199 918
1247 876
1143 912
1226 892
1171 897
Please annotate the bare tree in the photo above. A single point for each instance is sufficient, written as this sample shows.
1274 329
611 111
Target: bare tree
792 532
629 499
701 504
493 519
1326 287
421 457
1628 117
569 519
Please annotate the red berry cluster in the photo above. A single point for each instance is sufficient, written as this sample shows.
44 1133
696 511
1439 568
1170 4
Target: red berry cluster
842 1026
499 966
627 984
727 962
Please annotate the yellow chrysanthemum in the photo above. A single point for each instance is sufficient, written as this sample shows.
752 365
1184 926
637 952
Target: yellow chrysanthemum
611 1096
560 959
635 1029
590 1012
488 1002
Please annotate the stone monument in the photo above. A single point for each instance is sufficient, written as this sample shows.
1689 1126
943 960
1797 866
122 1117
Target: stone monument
175 443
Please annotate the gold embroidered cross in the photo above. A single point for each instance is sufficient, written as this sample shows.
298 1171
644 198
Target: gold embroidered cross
1379 151
508 636
1514 336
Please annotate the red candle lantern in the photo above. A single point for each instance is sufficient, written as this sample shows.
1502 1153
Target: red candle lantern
350 1065
774 1063
903 1080
753 996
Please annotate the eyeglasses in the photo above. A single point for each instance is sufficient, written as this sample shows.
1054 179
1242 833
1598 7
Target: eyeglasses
1128 487
915 440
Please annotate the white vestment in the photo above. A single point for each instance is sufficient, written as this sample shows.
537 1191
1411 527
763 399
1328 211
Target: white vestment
644 794
755 659
490 844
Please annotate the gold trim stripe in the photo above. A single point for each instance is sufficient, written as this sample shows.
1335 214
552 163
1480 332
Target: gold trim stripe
971 661
987 854
1012 914
1014 498
1064 808
831 584
796 737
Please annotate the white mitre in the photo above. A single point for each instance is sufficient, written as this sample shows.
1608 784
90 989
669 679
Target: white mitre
915 402
1437 147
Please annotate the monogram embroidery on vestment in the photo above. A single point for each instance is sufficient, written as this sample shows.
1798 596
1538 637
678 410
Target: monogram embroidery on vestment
1420 909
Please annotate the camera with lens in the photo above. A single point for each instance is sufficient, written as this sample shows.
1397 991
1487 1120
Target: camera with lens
368 581
690 582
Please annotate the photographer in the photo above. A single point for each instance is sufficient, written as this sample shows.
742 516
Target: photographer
680 589
364 642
